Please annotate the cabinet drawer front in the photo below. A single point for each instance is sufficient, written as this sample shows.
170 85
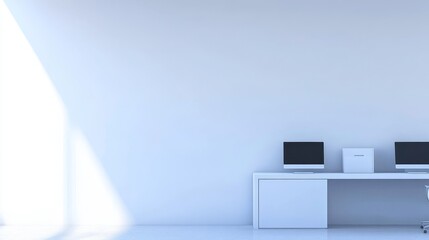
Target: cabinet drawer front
293 204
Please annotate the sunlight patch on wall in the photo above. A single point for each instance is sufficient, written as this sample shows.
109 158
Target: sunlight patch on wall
49 175
96 200
32 128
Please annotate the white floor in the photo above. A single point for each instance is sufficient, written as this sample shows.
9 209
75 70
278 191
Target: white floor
213 233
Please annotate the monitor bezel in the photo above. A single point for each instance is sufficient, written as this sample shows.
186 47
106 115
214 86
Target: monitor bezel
410 166
305 166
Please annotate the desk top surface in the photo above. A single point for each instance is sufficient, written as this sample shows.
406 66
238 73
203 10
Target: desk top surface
397 175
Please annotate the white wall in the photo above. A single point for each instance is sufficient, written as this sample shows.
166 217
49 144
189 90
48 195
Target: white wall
182 100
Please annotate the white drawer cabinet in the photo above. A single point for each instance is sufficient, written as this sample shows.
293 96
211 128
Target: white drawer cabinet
284 203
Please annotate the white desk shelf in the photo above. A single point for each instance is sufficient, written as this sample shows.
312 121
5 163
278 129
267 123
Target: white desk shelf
299 200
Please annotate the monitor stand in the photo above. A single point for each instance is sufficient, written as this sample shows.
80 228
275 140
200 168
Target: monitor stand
303 172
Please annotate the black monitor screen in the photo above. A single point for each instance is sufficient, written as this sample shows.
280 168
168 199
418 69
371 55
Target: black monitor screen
303 153
412 152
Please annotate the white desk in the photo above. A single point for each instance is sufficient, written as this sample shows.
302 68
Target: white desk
299 200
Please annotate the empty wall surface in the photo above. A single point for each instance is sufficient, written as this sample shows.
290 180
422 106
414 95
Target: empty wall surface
181 101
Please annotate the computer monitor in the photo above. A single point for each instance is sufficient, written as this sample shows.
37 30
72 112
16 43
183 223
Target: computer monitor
412 155
303 155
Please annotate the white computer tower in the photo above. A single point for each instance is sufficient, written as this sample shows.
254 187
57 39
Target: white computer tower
358 160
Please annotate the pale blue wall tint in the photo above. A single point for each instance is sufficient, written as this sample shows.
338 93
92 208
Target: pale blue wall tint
183 100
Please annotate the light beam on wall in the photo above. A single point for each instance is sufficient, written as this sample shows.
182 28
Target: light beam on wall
32 128
96 201
48 174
